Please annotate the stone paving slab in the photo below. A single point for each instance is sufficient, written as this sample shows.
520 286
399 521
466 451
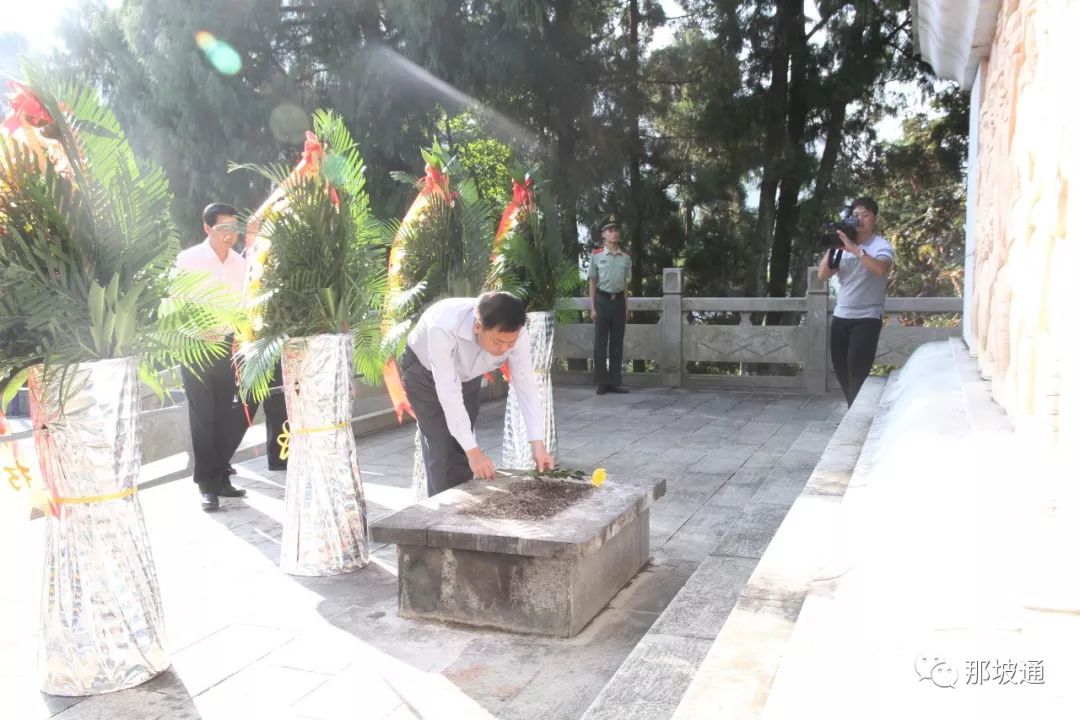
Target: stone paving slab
651 682
243 635
736 674
752 530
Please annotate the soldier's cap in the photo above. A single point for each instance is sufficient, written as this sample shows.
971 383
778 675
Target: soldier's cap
609 222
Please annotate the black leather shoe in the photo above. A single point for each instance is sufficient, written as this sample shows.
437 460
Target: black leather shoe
210 502
618 389
601 389
229 491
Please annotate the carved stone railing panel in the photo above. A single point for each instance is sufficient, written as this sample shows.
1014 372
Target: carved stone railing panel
681 336
897 343
642 342
744 344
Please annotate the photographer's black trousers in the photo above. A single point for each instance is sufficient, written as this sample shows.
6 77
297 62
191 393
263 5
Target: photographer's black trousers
853 344
610 327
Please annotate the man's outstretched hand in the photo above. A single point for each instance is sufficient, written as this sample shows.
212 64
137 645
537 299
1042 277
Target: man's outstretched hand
543 458
480 464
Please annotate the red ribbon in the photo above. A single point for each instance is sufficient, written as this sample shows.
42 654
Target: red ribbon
434 182
313 155
396 388
313 151
522 198
504 368
25 106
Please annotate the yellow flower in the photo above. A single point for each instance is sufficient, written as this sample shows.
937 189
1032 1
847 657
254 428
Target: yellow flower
599 475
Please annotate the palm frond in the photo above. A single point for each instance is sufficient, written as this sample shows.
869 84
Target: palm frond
88 247
531 263
275 174
258 365
326 270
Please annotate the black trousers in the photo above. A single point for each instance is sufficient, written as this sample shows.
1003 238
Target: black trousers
853 343
444 459
610 327
217 421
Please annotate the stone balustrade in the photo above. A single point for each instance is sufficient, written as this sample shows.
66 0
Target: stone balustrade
791 356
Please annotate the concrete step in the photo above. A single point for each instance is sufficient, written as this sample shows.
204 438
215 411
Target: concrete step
734 677
653 679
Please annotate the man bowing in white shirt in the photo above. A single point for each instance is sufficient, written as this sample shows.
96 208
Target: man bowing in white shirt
454 343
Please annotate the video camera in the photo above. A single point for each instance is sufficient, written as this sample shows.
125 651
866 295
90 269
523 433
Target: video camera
848 224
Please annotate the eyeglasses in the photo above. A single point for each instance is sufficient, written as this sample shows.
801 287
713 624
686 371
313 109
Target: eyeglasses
227 227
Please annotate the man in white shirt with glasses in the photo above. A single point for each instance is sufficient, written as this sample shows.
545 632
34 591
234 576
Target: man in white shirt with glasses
217 421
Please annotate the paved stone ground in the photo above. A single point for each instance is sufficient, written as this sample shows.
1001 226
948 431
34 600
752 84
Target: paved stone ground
248 641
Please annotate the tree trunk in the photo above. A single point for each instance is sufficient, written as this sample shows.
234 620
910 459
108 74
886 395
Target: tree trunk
633 111
775 116
562 30
563 38
822 181
793 167
859 69
633 129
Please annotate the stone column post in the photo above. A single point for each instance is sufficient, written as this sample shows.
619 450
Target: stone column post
672 365
816 366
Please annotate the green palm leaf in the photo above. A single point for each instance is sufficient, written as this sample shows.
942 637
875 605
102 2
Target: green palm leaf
86 256
326 272
531 263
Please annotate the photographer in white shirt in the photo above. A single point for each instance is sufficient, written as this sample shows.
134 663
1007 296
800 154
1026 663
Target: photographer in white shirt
863 272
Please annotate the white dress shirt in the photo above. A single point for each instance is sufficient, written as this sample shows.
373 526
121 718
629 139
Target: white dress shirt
444 341
230 272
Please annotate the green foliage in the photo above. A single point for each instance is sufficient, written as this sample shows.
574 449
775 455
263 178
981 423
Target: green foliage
448 248
487 160
191 118
675 137
920 184
325 271
87 250
530 262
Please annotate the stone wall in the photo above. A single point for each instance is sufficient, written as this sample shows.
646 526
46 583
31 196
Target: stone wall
1023 329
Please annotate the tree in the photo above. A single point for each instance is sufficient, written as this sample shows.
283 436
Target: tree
722 150
802 86
194 117
919 182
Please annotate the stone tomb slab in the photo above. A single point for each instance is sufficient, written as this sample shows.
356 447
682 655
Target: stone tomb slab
546 576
